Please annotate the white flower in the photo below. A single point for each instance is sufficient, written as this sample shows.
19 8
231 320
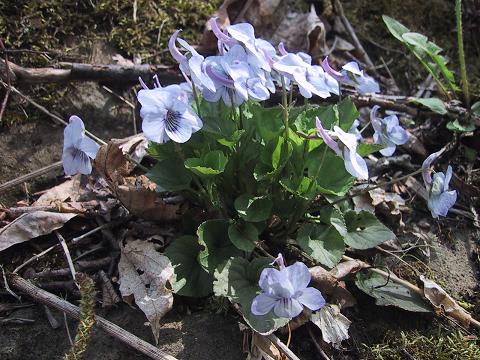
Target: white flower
78 148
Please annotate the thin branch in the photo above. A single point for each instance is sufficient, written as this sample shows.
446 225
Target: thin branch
44 297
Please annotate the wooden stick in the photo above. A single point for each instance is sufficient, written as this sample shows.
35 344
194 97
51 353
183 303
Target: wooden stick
46 298
282 347
30 176
358 45
90 72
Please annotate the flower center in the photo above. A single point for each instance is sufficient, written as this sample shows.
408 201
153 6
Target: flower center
172 120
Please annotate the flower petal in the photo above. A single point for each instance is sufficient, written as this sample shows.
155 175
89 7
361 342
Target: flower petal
176 54
89 147
76 161
349 140
327 138
262 304
73 132
288 308
154 129
298 275
439 205
448 177
426 172
355 164
388 151
312 298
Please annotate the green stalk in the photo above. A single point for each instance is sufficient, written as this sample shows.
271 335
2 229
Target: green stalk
461 52
285 110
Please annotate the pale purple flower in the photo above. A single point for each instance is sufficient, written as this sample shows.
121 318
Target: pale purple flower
286 291
243 34
440 200
347 149
167 114
309 79
235 79
78 148
353 76
191 63
354 130
388 132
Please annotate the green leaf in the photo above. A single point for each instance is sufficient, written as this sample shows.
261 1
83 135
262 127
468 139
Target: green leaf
365 231
191 279
243 235
162 151
458 127
434 104
267 121
395 28
170 175
213 163
217 119
332 177
367 149
347 113
217 247
391 293
323 242
476 108
253 209
238 281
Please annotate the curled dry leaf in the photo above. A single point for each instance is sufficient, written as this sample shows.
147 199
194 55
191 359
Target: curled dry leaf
144 273
135 146
68 190
348 267
329 285
137 194
323 280
302 32
31 225
444 302
333 323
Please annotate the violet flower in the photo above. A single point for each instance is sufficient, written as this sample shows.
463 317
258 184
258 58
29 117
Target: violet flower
347 150
167 114
191 63
388 132
286 291
353 76
235 79
440 200
78 148
309 79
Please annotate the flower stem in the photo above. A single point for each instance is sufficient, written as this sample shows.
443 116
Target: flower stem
285 109
461 52
197 99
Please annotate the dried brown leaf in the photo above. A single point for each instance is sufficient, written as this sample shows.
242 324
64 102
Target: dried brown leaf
347 267
333 323
31 225
68 190
145 273
264 347
444 302
110 162
323 280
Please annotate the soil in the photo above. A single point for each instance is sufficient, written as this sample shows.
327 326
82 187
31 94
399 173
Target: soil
199 336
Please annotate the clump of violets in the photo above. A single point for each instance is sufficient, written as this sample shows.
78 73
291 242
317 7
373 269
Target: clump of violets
78 148
388 132
440 200
286 291
346 148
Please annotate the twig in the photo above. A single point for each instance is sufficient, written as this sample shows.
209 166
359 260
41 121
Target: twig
65 321
317 345
63 243
80 266
77 239
5 282
282 347
32 175
124 336
33 258
353 36
92 72
9 82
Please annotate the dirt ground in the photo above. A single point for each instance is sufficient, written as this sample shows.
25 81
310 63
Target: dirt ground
199 336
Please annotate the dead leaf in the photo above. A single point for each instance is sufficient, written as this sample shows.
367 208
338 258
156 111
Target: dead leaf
110 162
135 146
144 273
444 302
31 225
323 280
347 267
60 193
333 323
262 347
